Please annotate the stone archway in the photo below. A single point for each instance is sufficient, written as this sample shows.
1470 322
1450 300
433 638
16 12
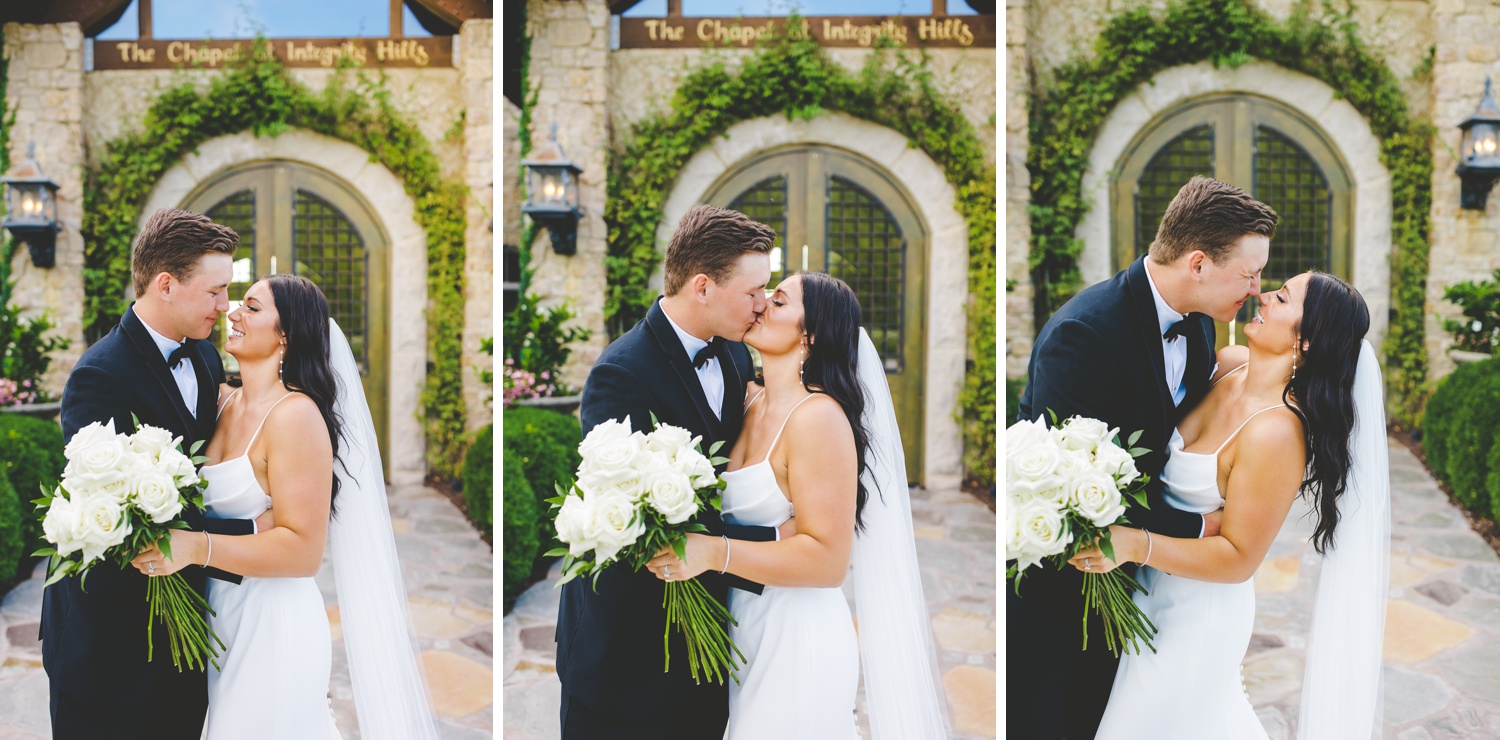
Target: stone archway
948 256
395 212
1345 128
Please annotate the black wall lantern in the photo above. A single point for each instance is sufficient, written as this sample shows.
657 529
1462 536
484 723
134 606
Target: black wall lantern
1479 157
31 209
552 194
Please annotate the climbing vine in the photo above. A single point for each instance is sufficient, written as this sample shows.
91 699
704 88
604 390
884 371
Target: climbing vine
789 73
256 94
1323 42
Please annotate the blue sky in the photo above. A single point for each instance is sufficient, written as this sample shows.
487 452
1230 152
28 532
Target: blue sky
196 19
657 8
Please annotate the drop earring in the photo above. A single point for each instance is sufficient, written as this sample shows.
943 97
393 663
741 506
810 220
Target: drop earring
1294 360
802 364
281 362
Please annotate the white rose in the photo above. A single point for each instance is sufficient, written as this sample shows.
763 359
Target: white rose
604 433
610 456
1015 545
1042 529
696 467
1073 463
572 525
671 494
150 441
627 481
104 525
1023 435
613 526
1095 497
155 494
95 449
1114 461
670 440
61 525
1033 463
180 467
113 484
1082 433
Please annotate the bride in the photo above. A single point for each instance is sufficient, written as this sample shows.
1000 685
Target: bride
1298 411
300 409
820 440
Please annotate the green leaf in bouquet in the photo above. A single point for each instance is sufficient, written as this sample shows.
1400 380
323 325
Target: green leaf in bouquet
1140 498
713 448
556 501
717 461
165 544
1107 547
1052 414
679 547
654 422
718 503
45 552
63 571
556 552
695 527
42 503
194 449
1131 442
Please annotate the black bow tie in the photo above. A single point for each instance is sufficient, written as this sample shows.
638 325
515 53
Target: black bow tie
709 351
184 351
1178 329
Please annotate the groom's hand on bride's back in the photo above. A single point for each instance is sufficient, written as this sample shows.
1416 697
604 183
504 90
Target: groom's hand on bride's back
1213 521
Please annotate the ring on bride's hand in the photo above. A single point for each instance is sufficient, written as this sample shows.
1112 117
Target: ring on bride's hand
667 571
150 567
1086 564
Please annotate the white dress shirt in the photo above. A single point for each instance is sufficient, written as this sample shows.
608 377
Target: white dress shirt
184 374
1174 352
708 374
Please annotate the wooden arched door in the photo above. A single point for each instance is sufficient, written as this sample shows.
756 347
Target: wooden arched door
1261 146
836 212
296 219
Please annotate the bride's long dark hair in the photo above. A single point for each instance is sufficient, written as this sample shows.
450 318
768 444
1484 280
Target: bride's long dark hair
831 317
1321 392
303 312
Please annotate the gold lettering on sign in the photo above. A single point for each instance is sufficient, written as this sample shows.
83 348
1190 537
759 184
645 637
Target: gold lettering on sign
945 29
863 35
408 50
183 52
661 31
325 56
131 52
711 29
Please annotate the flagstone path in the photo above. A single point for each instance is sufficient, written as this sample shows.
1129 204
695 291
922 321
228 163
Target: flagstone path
1442 638
955 536
449 585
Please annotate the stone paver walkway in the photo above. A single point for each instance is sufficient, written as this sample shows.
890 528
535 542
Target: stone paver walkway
955 537
449 583
1442 639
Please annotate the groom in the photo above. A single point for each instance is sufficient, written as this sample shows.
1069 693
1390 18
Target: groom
684 363
1137 352
154 365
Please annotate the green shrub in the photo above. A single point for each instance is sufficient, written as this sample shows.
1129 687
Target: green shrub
12 543
1480 303
479 479
1459 431
31 455
545 443
1014 387
520 533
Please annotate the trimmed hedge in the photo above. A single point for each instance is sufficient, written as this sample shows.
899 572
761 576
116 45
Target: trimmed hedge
12 540
1458 434
546 444
479 480
31 455
520 534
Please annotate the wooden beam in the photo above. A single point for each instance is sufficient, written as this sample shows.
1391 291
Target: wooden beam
143 12
395 30
674 8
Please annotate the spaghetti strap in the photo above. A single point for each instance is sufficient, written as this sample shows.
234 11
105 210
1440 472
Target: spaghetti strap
757 398
263 421
1242 426
788 418
225 405
1231 372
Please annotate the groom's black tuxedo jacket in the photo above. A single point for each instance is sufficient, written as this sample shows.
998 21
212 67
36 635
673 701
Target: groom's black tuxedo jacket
1099 356
94 640
609 641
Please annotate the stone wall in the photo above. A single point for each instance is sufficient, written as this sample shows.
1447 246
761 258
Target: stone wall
476 70
569 64
45 91
1465 243
1046 35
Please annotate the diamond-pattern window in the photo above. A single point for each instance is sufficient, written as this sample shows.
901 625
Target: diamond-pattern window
328 250
867 251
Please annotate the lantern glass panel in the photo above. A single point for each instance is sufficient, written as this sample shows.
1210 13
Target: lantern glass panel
49 205
1486 138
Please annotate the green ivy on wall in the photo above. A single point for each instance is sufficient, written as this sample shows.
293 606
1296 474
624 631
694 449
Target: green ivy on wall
256 94
793 75
1071 104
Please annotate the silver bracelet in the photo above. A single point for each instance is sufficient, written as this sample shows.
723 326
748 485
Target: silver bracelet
1148 546
726 555
210 555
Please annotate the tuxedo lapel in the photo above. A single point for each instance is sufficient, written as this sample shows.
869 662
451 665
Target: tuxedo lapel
135 331
682 367
1144 307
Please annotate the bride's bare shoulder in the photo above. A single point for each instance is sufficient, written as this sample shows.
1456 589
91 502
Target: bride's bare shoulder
1230 359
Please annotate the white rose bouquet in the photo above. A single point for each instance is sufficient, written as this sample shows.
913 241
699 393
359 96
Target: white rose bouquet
119 495
1064 487
635 494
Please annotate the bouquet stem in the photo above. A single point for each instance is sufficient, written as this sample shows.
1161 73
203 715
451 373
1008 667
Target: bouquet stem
180 608
1125 625
701 619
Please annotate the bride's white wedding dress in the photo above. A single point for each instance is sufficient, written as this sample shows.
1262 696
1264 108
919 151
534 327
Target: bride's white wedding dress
1192 686
277 657
801 667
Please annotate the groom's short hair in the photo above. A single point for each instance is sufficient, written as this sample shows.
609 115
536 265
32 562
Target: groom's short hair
1211 216
172 241
709 240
